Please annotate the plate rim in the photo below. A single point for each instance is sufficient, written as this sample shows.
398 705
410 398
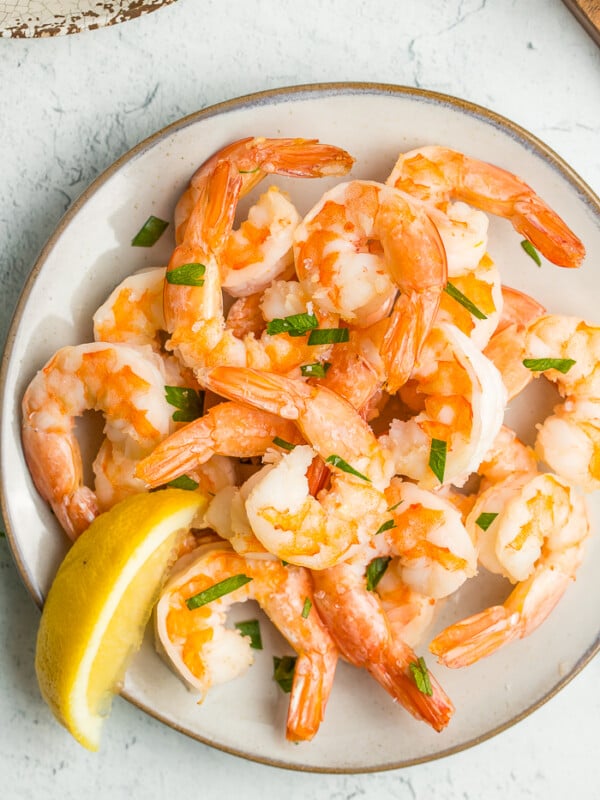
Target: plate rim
257 99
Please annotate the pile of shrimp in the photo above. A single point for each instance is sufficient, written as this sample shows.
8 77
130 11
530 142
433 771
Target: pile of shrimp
337 384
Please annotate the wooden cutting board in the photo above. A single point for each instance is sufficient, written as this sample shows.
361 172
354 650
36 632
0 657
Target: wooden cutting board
588 14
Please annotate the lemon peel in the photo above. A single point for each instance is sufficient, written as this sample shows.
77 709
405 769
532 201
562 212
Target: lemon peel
100 602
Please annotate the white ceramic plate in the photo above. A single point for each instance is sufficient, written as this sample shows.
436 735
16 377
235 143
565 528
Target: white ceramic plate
90 252
29 18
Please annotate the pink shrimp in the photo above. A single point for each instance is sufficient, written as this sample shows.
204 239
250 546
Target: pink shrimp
437 175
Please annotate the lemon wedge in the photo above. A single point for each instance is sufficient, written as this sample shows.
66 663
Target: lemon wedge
100 602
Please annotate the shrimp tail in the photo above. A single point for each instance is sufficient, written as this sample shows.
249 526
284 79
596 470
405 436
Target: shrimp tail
296 158
547 232
408 326
259 388
227 429
395 676
313 679
184 450
465 642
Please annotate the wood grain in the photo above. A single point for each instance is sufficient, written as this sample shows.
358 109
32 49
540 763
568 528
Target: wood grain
587 13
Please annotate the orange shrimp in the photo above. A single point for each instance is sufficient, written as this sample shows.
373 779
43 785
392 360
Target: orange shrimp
437 175
204 652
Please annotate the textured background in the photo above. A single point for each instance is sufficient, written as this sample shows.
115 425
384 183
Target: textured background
69 106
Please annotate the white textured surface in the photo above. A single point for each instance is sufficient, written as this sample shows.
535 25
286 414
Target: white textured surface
70 106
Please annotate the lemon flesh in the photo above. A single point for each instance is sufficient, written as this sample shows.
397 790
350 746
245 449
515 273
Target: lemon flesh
100 602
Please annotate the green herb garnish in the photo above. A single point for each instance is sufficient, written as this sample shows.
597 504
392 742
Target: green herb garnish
375 571
251 628
306 607
188 401
386 526
150 232
531 252
186 275
283 671
294 325
329 336
217 590
395 506
183 482
485 519
420 675
282 443
437 458
457 295
542 364
339 462
315 370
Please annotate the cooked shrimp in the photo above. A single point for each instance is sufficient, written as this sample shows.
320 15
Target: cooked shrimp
507 456
462 400
255 158
361 243
464 234
245 316
133 315
356 370
506 348
437 175
358 623
315 532
226 514
569 440
328 422
482 288
133 312
227 429
122 382
194 302
409 614
204 652
432 551
538 536
260 250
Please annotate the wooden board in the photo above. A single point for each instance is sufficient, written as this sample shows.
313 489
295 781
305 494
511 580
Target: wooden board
588 14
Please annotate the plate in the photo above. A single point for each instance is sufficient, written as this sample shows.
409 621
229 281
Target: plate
30 18
90 253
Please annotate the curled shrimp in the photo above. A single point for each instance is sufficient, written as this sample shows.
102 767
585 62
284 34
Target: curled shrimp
314 532
356 247
193 303
204 652
133 315
568 441
471 271
227 429
460 400
256 157
260 250
124 383
361 629
329 423
482 288
432 550
534 534
133 312
437 174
